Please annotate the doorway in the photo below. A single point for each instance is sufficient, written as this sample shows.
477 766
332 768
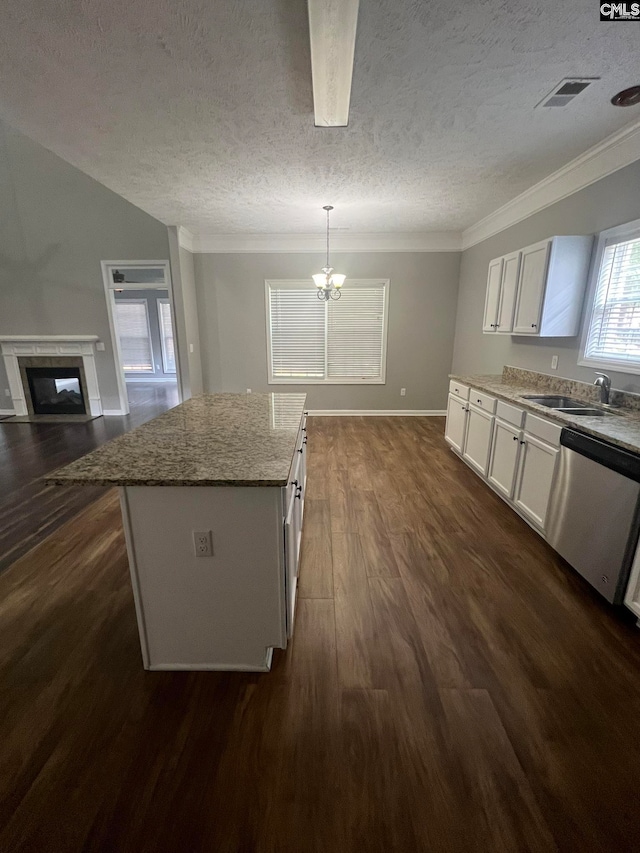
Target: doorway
141 316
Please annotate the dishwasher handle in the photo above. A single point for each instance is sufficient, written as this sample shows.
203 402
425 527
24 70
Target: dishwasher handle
615 458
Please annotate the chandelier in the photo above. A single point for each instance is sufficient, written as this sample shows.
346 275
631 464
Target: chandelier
328 282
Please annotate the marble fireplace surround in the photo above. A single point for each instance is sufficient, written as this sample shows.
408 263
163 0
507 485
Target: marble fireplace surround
43 351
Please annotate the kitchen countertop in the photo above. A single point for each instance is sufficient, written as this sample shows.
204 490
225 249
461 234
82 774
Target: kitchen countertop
619 427
209 440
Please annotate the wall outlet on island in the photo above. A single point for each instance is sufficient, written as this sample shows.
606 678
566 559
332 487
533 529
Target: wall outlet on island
403 392
554 362
202 544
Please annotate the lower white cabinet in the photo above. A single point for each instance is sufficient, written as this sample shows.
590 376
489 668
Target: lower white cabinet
518 462
632 595
505 453
457 413
477 442
536 471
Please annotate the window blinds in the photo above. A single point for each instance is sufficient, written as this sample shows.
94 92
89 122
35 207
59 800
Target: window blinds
334 341
614 331
166 335
133 330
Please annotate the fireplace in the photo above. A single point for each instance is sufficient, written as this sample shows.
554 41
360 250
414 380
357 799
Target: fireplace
56 390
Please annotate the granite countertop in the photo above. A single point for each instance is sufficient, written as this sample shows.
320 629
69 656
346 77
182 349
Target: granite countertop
620 426
209 440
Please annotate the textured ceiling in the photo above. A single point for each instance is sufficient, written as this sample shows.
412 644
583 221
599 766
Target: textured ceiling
200 111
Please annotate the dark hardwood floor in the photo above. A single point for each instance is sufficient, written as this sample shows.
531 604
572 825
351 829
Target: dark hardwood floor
29 510
452 685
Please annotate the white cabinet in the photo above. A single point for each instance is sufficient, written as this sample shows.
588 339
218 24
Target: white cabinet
632 595
540 290
294 512
492 301
514 451
505 454
535 478
478 438
502 286
457 413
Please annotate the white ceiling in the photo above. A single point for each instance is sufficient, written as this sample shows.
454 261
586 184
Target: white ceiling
201 113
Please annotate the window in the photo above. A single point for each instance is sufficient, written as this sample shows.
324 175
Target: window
132 321
341 341
166 336
612 335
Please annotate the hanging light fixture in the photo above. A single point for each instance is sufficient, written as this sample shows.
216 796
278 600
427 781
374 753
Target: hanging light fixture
328 282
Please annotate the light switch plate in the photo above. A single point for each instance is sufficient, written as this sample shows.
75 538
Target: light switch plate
554 362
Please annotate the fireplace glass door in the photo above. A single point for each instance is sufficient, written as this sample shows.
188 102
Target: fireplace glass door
56 391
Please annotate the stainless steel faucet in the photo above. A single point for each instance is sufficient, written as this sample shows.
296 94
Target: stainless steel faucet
604 382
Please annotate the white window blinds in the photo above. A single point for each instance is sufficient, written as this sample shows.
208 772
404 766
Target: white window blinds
133 330
340 341
614 329
166 336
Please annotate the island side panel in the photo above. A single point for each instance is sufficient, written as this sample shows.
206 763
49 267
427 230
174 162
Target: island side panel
222 612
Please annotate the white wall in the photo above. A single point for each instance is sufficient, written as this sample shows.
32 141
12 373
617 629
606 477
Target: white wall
422 306
56 225
611 201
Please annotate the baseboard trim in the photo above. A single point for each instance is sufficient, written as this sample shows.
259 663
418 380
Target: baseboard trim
112 413
378 413
4 412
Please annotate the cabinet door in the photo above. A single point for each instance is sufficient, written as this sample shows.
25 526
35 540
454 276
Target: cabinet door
508 291
533 273
291 549
492 300
535 479
456 422
632 594
505 452
478 439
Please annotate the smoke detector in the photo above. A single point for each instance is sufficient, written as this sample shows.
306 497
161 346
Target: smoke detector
566 91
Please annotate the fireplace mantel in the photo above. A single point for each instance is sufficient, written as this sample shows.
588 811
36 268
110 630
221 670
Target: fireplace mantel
14 346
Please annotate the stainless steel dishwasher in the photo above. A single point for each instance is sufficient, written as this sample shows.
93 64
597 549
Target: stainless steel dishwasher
593 513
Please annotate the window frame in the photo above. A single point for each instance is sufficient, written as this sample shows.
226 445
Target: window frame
164 300
620 233
296 284
138 300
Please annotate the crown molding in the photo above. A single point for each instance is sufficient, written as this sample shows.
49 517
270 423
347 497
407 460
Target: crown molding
613 153
185 238
444 241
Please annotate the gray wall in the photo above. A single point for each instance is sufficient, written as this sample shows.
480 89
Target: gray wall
422 307
151 297
611 201
56 225
185 305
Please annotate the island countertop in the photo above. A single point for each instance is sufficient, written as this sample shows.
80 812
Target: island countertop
209 440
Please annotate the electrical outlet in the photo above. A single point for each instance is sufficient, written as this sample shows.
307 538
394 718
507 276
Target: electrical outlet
7 393
202 545
554 362
100 346
248 390
403 392
190 347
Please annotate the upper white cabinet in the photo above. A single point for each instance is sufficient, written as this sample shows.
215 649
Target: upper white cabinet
502 287
538 291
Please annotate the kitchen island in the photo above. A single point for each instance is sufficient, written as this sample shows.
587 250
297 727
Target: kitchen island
212 496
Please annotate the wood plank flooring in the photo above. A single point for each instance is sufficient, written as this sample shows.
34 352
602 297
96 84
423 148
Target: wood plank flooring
29 510
452 685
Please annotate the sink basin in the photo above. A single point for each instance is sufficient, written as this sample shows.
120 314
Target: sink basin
566 405
554 401
585 412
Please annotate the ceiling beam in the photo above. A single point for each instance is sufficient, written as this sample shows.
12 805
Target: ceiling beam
332 30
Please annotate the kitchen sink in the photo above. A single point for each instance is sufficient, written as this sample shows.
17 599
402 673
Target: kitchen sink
567 405
556 402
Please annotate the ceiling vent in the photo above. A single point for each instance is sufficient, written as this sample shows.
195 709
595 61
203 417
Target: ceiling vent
566 91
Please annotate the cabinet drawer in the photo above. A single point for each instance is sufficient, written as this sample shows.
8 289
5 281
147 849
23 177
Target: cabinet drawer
541 428
483 401
511 414
459 389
